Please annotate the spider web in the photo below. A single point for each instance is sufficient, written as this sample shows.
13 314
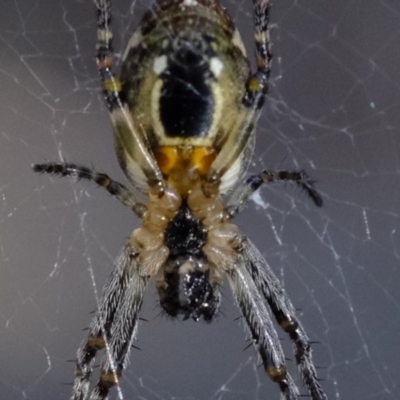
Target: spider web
333 110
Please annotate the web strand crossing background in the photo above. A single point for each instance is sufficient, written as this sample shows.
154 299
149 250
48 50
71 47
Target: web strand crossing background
333 110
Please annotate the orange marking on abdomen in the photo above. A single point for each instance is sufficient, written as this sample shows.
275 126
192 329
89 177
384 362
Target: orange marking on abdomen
172 158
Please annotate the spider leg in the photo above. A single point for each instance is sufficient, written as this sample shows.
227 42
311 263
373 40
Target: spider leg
113 328
254 98
132 151
263 333
261 37
105 53
116 189
242 194
284 312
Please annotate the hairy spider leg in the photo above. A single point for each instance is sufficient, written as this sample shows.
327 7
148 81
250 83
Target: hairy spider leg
256 91
113 328
130 157
259 322
242 194
282 308
116 189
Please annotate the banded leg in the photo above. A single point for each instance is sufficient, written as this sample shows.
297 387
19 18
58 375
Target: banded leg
255 93
262 331
257 86
105 53
116 189
124 130
284 312
242 194
261 36
113 328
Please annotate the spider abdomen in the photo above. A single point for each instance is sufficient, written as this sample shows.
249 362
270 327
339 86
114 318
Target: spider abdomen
183 81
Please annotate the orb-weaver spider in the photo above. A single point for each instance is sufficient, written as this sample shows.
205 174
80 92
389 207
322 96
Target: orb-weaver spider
184 109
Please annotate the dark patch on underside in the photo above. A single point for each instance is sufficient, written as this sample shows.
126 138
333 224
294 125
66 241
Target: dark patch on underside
187 101
185 235
188 292
190 295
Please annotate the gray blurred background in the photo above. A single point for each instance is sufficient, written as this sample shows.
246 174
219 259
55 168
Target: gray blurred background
333 110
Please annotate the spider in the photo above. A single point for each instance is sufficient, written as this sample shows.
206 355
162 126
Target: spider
184 109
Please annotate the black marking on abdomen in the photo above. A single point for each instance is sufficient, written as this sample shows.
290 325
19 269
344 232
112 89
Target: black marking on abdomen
187 101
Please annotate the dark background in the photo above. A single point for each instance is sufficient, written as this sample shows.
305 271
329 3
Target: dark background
333 110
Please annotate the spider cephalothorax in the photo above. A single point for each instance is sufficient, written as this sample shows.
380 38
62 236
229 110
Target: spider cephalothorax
184 109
